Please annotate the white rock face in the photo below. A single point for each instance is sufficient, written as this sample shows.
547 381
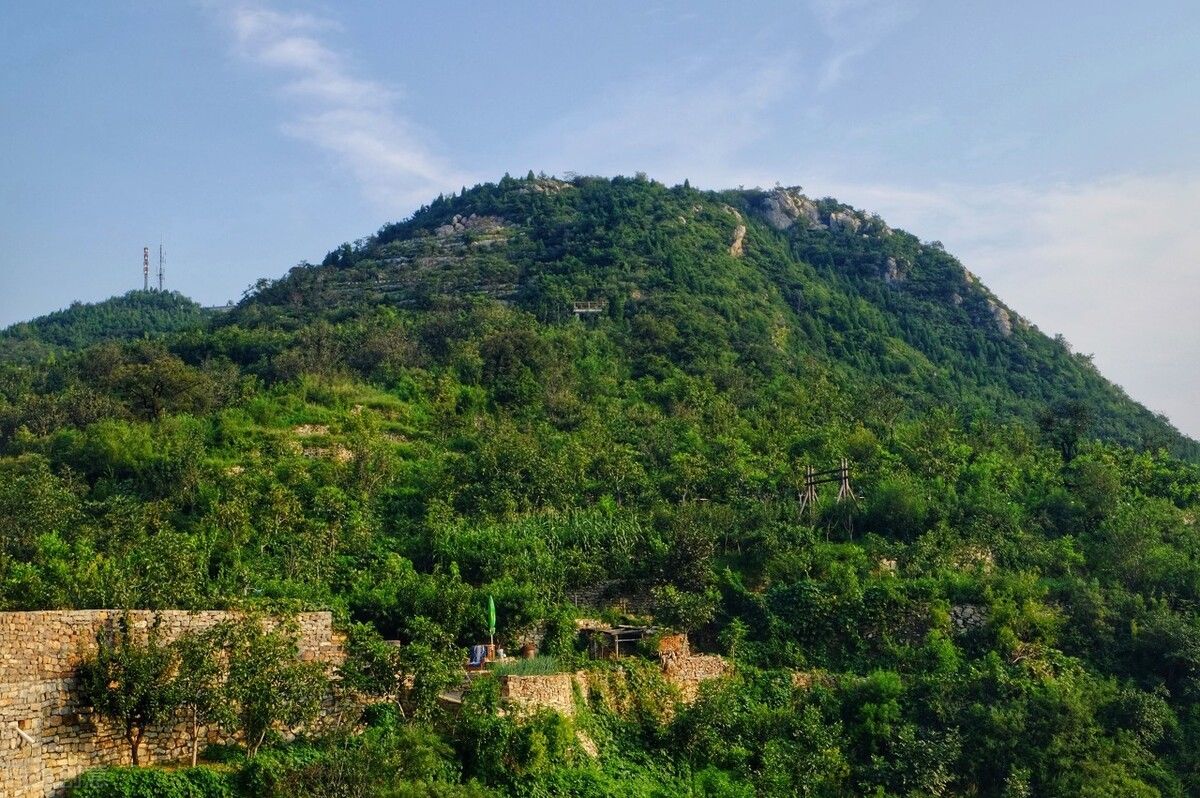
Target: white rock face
844 220
894 273
783 207
1001 317
474 222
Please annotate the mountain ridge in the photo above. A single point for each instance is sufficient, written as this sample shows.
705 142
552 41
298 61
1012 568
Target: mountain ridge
811 266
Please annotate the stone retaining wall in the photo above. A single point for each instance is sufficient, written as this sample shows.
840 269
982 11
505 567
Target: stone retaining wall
527 694
688 672
550 691
46 736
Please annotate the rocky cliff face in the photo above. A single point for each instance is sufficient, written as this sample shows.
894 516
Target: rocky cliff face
784 207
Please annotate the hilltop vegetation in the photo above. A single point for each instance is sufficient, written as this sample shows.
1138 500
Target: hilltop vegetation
134 315
422 421
816 288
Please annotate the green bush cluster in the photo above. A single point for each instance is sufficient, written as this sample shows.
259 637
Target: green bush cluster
119 782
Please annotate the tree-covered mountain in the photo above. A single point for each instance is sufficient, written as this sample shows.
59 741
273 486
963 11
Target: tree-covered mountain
134 315
1008 606
757 283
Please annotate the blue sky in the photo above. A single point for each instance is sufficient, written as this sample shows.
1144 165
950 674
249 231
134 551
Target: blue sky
1054 147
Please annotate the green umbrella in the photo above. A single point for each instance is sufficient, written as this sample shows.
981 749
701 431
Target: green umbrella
491 620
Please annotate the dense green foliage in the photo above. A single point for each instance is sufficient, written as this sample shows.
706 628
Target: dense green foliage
137 314
421 422
245 677
147 783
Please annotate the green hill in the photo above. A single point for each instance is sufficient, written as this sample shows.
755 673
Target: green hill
133 315
583 397
813 286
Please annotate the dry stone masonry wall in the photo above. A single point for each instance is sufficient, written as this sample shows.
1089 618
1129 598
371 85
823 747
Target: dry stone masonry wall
550 691
46 736
682 669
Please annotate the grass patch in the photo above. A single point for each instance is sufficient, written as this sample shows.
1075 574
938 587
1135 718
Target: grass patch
538 666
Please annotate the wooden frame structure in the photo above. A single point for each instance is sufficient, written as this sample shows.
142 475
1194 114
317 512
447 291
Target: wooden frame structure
813 478
590 306
616 641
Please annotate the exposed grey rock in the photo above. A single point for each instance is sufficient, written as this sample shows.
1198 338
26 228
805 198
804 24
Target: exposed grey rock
844 220
474 223
739 233
966 618
783 207
893 272
1001 317
546 185
739 236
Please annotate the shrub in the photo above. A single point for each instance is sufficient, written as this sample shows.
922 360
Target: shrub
122 782
376 763
538 666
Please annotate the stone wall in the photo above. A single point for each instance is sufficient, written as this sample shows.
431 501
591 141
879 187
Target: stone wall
685 671
46 736
550 691
688 672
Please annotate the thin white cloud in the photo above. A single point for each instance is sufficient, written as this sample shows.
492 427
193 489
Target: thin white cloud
855 28
693 121
1112 264
353 118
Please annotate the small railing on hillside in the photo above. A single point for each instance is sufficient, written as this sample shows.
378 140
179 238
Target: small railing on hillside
589 306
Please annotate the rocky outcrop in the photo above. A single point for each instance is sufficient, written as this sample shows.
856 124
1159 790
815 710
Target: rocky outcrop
739 236
966 618
1001 317
473 223
546 185
844 221
783 207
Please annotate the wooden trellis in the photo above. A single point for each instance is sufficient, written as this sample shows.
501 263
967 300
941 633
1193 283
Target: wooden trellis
813 478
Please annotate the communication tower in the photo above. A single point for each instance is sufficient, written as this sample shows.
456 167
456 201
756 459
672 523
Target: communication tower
145 268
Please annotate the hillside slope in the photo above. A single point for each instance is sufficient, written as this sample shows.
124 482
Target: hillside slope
132 315
1002 603
757 282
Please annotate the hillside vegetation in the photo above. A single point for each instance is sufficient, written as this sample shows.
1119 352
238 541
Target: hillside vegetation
137 314
422 420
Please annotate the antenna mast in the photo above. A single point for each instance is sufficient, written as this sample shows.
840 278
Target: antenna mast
160 265
145 268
